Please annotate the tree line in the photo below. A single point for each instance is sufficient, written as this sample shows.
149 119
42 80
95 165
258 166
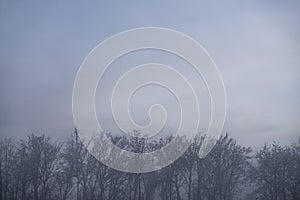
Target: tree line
37 168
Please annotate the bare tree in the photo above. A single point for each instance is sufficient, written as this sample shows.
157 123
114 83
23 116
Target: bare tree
36 168
276 173
7 149
223 169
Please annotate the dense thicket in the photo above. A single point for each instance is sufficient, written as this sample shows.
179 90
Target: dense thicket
39 169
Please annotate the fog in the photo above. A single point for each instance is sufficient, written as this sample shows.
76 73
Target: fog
254 44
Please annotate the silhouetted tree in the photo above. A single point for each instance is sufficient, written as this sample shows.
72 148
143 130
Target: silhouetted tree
38 169
276 173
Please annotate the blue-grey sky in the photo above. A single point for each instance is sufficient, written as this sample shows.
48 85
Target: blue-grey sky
255 45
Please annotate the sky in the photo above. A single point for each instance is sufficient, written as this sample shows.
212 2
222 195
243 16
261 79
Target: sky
255 44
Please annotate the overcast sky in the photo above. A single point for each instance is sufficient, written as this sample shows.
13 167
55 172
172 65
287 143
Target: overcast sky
255 45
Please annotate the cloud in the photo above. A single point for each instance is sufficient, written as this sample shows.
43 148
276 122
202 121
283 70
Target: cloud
255 45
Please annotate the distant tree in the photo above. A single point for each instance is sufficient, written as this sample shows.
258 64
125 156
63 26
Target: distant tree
28 169
7 151
276 173
221 172
293 172
39 169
